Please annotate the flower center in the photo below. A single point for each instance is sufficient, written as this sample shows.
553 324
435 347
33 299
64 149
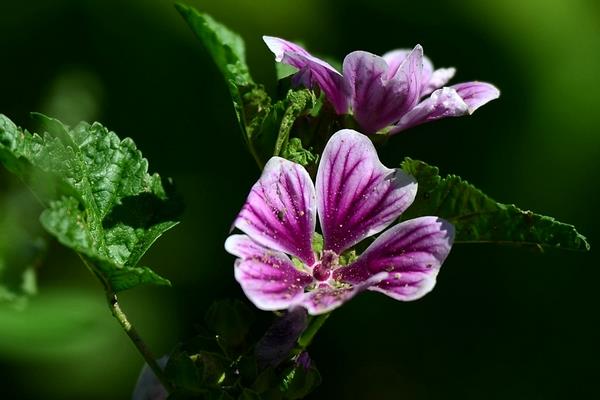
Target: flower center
329 261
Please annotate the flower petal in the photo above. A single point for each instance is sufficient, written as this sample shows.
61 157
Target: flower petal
379 98
280 338
438 78
442 103
395 58
411 252
268 277
312 71
453 101
430 79
280 210
476 94
325 298
357 195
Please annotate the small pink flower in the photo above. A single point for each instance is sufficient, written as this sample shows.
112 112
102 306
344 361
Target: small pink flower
396 91
355 197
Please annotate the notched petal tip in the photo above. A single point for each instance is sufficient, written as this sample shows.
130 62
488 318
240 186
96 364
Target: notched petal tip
475 94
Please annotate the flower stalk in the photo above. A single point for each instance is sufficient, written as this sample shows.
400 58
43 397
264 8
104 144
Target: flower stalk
121 317
136 339
311 331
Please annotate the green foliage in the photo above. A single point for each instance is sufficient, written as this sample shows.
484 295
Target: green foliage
250 101
230 320
269 132
183 373
298 154
297 381
223 361
103 203
479 219
295 104
226 48
265 125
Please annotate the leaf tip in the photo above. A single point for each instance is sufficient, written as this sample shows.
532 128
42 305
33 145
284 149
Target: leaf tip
182 8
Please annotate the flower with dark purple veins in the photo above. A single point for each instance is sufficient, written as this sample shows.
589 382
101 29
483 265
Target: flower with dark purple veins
386 94
355 196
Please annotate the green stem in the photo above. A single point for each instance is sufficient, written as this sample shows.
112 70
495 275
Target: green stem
121 317
139 343
315 324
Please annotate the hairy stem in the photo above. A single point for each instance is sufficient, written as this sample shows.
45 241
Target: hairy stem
313 327
119 314
139 343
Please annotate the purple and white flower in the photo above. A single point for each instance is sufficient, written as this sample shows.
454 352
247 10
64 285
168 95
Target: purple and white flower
393 92
355 197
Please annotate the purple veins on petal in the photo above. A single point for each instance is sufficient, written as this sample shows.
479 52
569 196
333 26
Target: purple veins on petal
442 103
476 94
357 196
431 79
411 252
453 101
268 277
312 71
280 210
380 95
384 93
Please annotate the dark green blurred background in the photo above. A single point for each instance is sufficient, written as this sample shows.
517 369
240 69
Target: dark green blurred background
503 323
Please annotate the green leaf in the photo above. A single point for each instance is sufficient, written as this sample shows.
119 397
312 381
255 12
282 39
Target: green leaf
226 48
213 368
479 219
104 204
298 154
297 382
183 373
271 134
297 103
230 319
265 125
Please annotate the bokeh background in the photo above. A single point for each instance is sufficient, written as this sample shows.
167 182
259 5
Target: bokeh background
502 323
